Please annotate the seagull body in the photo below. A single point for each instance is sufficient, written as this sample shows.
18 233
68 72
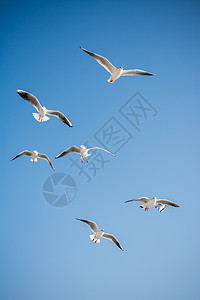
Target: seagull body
115 72
100 233
82 150
42 111
150 202
34 156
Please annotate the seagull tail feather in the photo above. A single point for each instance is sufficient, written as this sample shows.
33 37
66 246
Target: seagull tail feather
94 239
37 117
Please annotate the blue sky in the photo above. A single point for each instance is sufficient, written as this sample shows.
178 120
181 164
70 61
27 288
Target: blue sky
46 253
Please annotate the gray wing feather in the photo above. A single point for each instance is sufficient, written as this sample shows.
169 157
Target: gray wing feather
69 150
101 60
136 72
112 238
102 150
25 152
30 98
141 199
59 115
164 201
92 225
44 156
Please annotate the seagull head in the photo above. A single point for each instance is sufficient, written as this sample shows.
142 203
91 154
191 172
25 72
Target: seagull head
82 147
102 230
121 68
35 152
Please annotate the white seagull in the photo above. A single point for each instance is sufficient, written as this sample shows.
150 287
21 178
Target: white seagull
100 233
150 202
115 72
82 150
42 111
35 155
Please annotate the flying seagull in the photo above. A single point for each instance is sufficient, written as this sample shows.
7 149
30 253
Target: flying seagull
150 202
42 111
35 155
100 233
115 72
82 150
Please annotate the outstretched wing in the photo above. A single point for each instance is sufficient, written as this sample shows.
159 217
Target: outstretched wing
112 238
30 98
25 152
92 225
69 150
44 156
135 72
59 115
164 201
101 60
141 199
102 150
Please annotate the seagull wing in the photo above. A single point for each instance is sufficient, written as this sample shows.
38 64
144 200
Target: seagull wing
59 115
102 150
142 199
136 72
30 98
44 156
93 226
69 150
101 60
164 201
112 238
25 152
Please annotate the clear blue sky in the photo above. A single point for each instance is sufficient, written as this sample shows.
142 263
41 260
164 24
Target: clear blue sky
45 252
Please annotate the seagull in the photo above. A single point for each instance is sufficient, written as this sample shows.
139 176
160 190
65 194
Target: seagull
100 233
115 72
42 111
161 207
150 202
82 150
35 155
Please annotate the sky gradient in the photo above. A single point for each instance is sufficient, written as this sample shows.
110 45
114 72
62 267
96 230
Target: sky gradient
46 253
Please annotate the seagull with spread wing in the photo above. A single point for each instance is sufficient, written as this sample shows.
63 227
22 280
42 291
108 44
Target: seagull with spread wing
35 155
42 111
82 150
115 72
150 202
100 233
